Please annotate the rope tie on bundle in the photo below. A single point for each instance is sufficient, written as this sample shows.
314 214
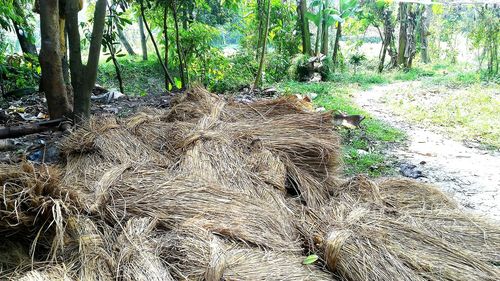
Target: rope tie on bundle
335 241
217 263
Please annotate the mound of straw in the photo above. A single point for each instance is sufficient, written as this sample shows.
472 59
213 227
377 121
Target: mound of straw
218 190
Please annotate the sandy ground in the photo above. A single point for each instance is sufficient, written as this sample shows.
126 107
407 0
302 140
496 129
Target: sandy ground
469 174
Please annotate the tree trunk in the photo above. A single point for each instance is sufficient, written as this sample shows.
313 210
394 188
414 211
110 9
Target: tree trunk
168 78
424 33
124 41
50 60
83 77
165 37
23 34
304 27
143 39
182 66
260 16
336 45
318 33
407 44
258 77
324 33
388 39
28 129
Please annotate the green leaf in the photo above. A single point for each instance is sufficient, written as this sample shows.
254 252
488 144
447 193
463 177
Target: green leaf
310 259
108 59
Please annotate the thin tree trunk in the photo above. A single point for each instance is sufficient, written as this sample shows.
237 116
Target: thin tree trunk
165 36
24 36
124 41
143 39
50 60
260 16
304 27
403 21
83 77
182 66
336 45
318 33
258 78
324 33
168 78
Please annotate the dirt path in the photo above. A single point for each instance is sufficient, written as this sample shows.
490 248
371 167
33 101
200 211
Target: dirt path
470 175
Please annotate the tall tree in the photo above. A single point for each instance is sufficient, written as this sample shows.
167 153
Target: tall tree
124 41
168 78
183 71
50 60
23 31
144 45
258 77
325 40
407 44
304 27
425 22
83 77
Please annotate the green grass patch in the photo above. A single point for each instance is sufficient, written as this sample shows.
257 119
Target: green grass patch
362 151
139 77
471 113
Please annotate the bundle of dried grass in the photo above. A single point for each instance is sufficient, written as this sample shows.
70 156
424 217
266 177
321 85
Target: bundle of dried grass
360 244
263 109
478 235
405 194
34 207
402 195
173 200
194 104
197 254
45 274
137 253
99 146
88 250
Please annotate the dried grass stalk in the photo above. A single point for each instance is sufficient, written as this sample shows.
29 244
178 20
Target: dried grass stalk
50 273
404 194
197 254
137 253
360 244
89 249
175 200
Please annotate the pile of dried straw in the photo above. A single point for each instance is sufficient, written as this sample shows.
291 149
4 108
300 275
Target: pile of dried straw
218 190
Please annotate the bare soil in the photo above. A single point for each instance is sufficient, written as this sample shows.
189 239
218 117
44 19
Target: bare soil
469 174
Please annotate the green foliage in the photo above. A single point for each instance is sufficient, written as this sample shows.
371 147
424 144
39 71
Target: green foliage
239 72
19 71
310 259
141 77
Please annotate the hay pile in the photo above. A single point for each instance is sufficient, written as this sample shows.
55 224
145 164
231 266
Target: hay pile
216 190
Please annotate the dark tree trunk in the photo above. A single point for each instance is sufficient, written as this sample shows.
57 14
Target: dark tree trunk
325 40
182 61
388 39
258 77
304 27
168 78
24 35
336 45
27 46
143 39
407 44
124 41
165 36
318 33
50 60
83 77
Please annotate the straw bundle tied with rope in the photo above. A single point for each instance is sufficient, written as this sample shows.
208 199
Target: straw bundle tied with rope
217 190
196 254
